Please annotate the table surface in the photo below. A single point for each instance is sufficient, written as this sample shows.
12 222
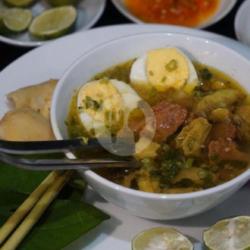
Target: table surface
111 16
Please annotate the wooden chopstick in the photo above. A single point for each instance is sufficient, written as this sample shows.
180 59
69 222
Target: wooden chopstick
46 192
26 206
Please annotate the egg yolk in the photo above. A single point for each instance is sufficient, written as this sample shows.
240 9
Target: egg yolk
100 104
167 68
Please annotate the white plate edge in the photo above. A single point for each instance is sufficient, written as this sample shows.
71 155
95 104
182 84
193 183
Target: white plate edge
33 44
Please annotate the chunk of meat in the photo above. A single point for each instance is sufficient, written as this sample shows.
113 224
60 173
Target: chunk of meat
227 174
226 149
169 117
220 99
223 130
193 136
242 119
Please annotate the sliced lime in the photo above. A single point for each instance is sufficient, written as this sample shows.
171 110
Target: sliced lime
229 234
54 22
15 20
19 3
161 238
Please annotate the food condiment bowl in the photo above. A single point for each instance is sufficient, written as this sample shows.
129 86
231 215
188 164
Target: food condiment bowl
143 204
225 6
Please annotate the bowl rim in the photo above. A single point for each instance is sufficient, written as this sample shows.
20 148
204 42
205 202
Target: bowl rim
216 17
244 177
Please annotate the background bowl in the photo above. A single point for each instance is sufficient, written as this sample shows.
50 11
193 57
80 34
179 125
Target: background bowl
224 8
149 205
242 22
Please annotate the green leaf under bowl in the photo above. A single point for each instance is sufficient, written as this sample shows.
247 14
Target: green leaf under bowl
64 222
22 181
66 219
9 202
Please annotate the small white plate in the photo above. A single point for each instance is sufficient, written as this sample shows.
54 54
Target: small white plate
242 23
224 8
88 11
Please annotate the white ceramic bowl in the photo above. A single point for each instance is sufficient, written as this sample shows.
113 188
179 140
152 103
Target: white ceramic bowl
149 205
224 8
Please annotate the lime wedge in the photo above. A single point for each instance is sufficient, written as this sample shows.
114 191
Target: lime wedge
229 234
19 3
54 22
15 20
161 238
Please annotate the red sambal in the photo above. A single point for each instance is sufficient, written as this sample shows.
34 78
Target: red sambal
178 12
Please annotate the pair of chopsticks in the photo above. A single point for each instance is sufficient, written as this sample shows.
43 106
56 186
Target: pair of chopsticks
94 155
24 218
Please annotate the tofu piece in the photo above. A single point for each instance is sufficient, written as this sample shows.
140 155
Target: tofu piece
25 125
37 97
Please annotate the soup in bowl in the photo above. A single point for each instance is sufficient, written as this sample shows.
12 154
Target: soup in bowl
184 102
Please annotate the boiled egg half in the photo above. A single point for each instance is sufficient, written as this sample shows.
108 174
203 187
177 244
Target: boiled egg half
103 105
164 68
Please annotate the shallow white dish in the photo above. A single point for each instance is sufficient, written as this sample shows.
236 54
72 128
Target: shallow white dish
224 8
88 13
242 23
117 232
